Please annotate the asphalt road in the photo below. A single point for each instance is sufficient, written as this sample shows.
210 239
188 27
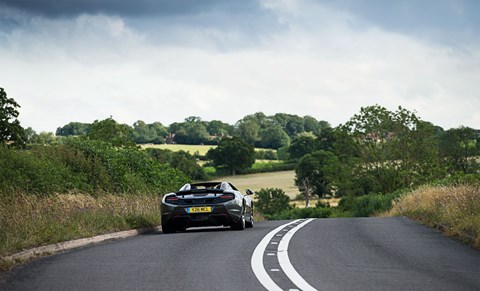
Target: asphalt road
329 254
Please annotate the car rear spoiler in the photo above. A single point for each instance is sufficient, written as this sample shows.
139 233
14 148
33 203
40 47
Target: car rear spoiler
200 191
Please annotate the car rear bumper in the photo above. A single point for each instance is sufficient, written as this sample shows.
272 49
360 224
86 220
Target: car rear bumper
178 217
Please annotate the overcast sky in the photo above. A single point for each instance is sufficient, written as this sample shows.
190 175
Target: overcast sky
164 60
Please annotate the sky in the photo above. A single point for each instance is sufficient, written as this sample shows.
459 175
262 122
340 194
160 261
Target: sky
165 60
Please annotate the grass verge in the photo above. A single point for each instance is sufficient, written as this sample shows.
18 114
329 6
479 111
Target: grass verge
30 221
454 210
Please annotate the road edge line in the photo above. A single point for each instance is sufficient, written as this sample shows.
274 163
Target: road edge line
284 260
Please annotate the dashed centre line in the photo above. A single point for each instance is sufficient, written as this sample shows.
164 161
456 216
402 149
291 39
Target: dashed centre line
283 259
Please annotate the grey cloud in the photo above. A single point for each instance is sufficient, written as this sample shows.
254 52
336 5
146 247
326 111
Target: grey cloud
59 8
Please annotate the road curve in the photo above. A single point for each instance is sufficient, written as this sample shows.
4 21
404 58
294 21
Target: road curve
329 254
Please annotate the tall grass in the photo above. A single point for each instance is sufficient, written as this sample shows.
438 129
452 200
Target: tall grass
453 209
29 220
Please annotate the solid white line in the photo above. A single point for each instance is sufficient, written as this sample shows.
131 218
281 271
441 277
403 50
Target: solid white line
285 263
257 260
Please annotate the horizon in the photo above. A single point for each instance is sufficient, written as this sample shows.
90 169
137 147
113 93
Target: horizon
85 60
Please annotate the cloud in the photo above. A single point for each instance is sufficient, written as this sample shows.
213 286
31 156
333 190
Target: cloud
307 59
62 8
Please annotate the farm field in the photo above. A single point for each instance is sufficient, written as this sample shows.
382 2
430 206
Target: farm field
283 180
192 149
201 149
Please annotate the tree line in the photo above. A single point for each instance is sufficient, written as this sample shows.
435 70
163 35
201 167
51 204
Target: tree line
375 151
256 129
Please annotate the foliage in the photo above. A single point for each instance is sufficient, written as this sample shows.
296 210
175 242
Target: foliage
266 155
299 213
282 153
302 145
458 147
29 221
43 138
273 137
269 167
275 131
232 154
270 201
73 129
192 131
316 172
88 166
367 205
397 149
149 133
10 129
111 132
179 160
248 131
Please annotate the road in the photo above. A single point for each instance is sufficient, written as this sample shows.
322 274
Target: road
327 254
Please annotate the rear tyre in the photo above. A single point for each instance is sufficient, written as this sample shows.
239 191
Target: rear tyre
249 223
239 225
167 228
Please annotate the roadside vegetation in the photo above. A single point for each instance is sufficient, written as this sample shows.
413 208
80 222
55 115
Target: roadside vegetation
31 220
455 210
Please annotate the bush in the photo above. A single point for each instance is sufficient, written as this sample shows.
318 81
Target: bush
367 205
266 155
86 166
460 179
180 160
270 201
269 167
297 213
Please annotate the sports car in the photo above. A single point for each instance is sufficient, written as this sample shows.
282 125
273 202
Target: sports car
206 204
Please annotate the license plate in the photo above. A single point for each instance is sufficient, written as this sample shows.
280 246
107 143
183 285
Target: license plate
204 209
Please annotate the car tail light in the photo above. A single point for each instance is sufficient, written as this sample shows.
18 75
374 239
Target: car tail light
171 199
227 196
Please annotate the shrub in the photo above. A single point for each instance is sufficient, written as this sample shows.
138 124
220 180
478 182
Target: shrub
367 205
270 201
86 166
297 213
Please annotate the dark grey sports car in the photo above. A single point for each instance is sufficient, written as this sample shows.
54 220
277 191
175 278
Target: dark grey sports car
207 204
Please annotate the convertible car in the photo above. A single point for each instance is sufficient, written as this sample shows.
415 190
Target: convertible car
207 204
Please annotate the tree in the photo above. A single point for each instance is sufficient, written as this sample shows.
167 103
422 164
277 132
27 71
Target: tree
232 154
180 160
302 145
111 132
316 173
396 149
458 146
10 129
219 128
73 128
273 137
314 126
248 131
271 201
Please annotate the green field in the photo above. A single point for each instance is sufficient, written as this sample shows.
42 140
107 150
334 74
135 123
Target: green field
283 180
201 149
192 149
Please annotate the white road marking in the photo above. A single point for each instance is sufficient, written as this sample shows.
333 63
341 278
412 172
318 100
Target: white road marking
257 260
275 270
284 261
